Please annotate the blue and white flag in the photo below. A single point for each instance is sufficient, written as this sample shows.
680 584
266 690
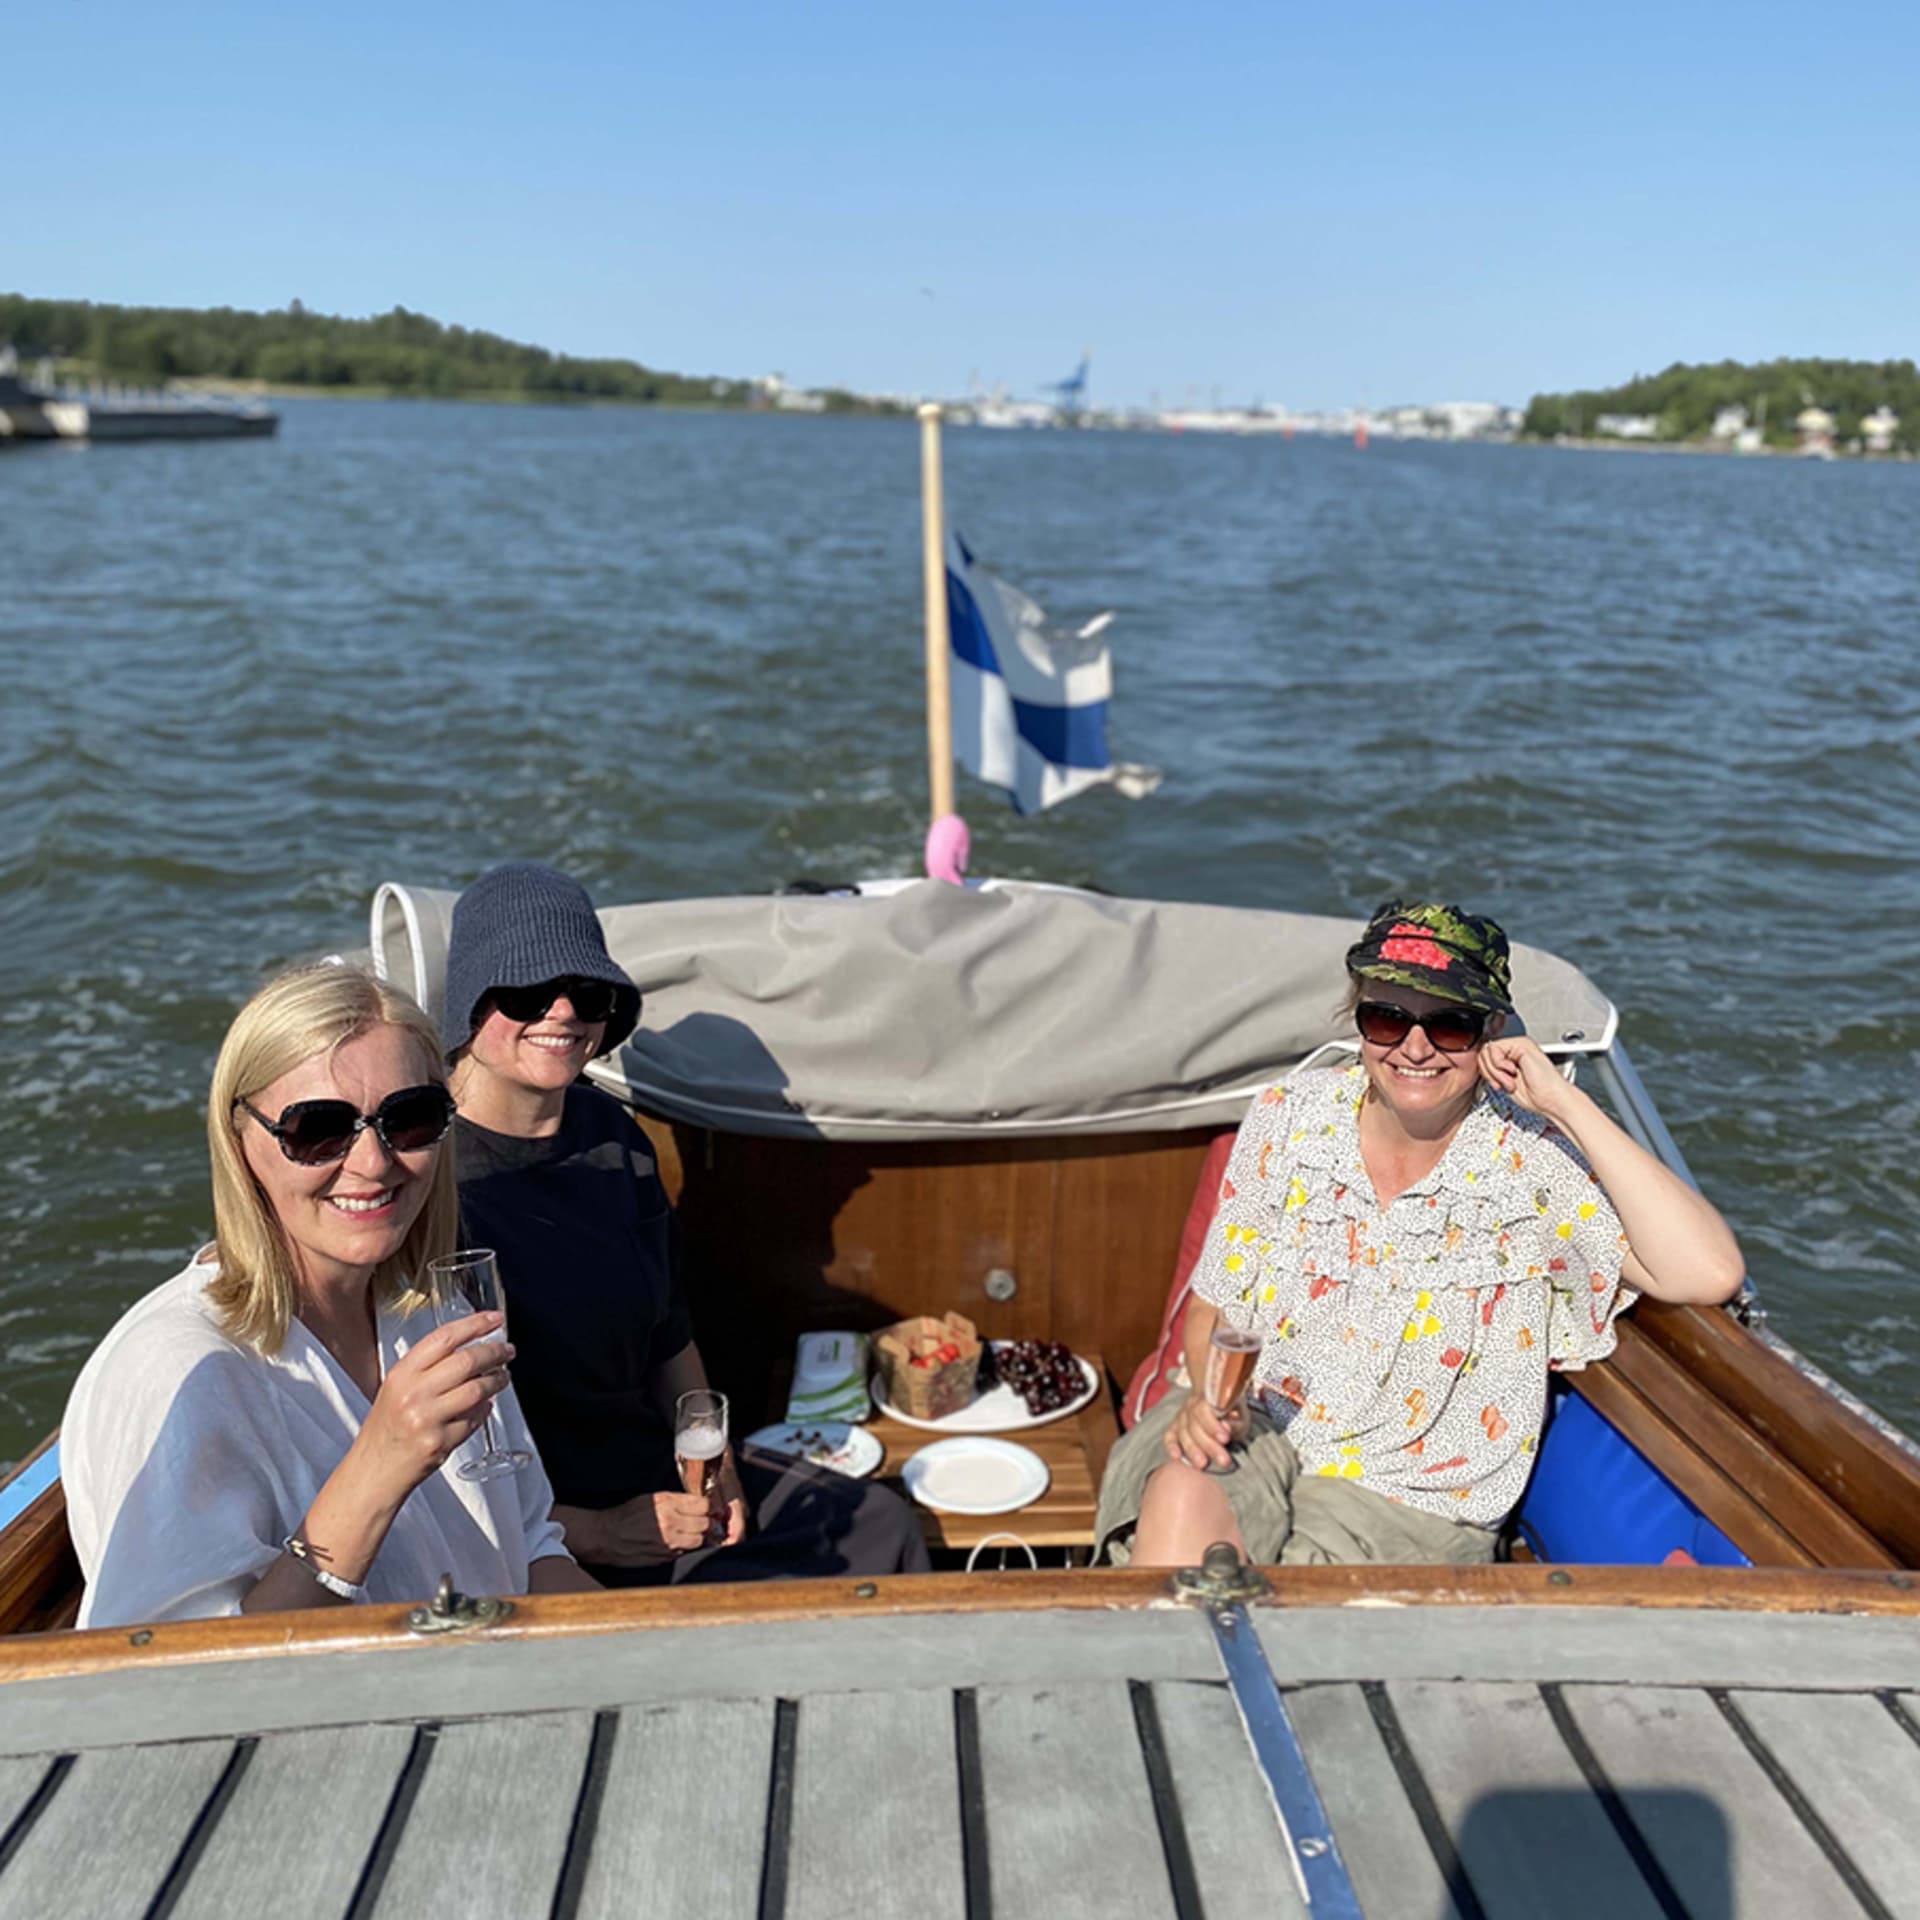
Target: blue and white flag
1029 701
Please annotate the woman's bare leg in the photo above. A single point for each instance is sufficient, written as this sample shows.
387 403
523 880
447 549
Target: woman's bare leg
1182 1513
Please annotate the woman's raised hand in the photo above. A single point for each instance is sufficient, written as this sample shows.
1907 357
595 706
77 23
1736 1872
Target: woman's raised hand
435 1394
1518 1068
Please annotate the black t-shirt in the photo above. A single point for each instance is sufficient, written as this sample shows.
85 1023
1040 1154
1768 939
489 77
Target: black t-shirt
588 1261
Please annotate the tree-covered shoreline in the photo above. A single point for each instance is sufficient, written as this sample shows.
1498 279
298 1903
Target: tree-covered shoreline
392 353
1685 400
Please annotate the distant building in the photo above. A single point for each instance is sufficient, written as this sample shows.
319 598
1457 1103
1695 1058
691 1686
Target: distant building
1815 428
1471 419
771 390
1628 426
1878 428
996 410
1728 424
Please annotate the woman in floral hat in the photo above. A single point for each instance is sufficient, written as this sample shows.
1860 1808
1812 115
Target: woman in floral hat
1418 1240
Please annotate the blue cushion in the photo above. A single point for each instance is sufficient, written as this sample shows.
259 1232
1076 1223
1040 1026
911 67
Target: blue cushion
1594 1498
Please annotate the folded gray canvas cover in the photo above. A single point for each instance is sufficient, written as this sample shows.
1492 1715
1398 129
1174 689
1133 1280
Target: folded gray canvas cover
923 1011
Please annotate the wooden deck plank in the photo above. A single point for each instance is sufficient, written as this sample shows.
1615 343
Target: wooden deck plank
1047 1847
1860 1772
1239 1858
783 1658
19 1782
301 1823
876 1807
488 1830
1585 1590
1392 1867
793 1658
1629 1645
141 1803
684 1813
1713 1820
1531 1835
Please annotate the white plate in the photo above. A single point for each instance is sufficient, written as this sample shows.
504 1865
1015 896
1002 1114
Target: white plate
829 1443
999 1411
973 1474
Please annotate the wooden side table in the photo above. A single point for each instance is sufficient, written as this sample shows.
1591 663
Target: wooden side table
1075 1448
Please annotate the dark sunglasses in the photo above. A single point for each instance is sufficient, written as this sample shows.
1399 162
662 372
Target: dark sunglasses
591 1000
1451 1029
312 1133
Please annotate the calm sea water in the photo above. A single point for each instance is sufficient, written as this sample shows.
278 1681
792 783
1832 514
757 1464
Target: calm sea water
1659 715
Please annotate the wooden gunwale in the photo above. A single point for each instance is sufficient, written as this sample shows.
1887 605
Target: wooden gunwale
1862 1471
1095 1590
1823 1529
39 1574
26 1460
1670 1451
39 1571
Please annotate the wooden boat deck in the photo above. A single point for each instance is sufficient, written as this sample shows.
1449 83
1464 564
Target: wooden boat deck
1474 1759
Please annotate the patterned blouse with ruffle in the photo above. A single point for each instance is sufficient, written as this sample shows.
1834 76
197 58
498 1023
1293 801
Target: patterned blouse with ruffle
1408 1348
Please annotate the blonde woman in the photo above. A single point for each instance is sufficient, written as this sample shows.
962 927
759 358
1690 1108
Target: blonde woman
272 1427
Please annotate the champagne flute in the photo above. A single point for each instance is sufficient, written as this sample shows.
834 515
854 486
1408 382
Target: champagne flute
699 1439
465 1283
1231 1357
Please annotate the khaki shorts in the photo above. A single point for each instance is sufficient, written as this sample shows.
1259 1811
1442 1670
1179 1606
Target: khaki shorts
1285 1518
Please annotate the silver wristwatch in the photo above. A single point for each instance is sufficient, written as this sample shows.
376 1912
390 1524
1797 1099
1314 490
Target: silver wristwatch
345 1589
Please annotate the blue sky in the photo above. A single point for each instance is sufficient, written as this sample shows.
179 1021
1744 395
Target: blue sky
1316 205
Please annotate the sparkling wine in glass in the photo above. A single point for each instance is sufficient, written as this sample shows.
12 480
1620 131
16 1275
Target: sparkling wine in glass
465 1283
699 1439
1231 1357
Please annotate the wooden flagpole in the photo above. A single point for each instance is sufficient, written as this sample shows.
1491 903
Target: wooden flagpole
933 544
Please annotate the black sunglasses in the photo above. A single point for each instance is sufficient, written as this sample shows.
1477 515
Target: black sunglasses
312 1133
591 1000
1451 1029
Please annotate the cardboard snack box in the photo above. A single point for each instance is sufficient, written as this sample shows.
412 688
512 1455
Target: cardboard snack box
929 1364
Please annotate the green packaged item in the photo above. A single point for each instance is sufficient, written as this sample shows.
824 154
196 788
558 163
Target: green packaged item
830 1378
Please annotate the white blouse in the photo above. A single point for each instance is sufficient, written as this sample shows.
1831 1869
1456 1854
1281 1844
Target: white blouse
188 1458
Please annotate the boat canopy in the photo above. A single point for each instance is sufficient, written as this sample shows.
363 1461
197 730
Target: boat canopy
923 1011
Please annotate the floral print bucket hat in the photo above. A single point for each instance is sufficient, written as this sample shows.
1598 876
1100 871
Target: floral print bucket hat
1438 949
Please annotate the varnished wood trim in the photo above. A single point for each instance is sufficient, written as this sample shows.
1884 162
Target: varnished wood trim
552 1616
39 1576
1831 1536
1697 1478
1862 1471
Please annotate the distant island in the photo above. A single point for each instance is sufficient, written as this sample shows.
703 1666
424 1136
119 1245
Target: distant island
394 353
1868 406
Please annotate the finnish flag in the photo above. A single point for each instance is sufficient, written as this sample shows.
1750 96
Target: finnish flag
1029 702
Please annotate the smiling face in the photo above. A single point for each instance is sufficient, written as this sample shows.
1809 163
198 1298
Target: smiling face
545 1055
1413 1077
343 1219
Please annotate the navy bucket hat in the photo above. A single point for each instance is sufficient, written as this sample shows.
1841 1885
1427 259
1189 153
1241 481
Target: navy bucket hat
521 925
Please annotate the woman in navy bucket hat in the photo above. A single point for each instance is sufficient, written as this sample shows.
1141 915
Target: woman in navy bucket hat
559 1180
519 926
